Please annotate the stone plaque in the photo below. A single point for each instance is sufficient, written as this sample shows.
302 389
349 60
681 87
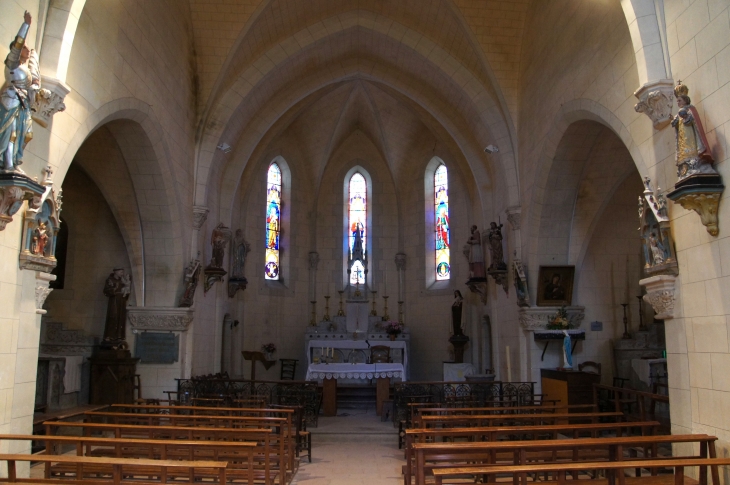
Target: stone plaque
157 348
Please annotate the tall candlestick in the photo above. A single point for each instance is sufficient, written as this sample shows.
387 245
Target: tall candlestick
374 312
340 312
313 321
326 317
626 335
386 317
509 364
385 281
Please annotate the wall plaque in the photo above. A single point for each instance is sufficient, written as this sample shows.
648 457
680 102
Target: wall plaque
596 326
157 348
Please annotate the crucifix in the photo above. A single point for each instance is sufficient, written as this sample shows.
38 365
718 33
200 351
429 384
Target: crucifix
254 357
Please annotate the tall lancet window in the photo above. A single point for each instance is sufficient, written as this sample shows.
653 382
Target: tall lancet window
273 222
358 231
441 213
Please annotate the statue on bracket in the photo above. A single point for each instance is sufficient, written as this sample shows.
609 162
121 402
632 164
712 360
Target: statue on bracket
118 287
22 82
192 275
458 339
477 281
237 281
698 186
498 268
657 243
41 224
214 271
523 295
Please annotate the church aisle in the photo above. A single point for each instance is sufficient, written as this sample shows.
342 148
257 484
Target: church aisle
353 448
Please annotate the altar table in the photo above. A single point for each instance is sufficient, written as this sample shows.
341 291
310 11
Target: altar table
363 345
329 373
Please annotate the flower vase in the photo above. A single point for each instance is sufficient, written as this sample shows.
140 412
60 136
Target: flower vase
392 336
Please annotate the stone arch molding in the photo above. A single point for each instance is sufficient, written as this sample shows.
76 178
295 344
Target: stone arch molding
484 101
570 113
58 36
154 238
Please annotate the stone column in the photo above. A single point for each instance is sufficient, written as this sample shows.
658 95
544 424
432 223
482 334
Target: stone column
200 214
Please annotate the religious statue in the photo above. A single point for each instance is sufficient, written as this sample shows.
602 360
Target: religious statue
555 289
693 151
657 250
567 351
495 247
240 250
476 256
192 275
118 287
219 240
40 239
22 81
456 308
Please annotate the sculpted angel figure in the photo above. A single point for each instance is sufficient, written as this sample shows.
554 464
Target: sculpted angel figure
693 151
22 81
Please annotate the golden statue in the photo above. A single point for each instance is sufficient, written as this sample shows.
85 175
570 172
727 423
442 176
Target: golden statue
693 152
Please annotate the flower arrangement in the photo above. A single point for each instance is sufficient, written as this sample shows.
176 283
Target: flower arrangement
269 348
560 320
393 328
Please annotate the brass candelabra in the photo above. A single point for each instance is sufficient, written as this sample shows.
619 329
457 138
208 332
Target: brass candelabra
326 317
313 321
386 317
374 312
400 312
340 312
626 335
642 327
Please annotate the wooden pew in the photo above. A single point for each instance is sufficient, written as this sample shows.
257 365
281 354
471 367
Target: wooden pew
495 433
266 454
119 470
524 419
431 456
282 426
239 454
614 471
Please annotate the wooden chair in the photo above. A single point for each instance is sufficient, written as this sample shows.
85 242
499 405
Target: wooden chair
596 367
288 369
379 354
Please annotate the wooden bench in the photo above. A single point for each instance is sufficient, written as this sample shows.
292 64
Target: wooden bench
239 454
267 453
493 434
118 470
510 419
430 456
614 471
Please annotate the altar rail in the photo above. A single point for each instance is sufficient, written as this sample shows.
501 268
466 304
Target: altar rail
476 393
286 393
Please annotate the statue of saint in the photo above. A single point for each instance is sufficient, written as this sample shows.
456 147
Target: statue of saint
456 308
192 275
358 251
219 240
693 151
40 239
240 249
22 81
495 247
476 255
657 250
118 287
567 351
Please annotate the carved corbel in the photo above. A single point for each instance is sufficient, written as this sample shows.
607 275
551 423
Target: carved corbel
42 290
478 287
49 100
655 101
700 193
14 189
537 318
660 295
200 214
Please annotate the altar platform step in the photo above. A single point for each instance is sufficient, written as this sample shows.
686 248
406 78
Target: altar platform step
356 397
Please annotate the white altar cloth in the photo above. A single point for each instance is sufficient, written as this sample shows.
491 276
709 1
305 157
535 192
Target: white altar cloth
354 371
358 344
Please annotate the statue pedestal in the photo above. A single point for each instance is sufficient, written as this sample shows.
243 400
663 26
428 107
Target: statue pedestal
112 377
459 342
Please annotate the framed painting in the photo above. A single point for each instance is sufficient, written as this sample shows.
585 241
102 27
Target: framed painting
555 286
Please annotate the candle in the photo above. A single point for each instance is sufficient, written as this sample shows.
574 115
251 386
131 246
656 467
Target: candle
509 364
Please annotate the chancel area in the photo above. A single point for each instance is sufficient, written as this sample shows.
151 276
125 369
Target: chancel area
364 241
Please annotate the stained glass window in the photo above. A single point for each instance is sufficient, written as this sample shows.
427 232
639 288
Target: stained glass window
441 212
357 234
273 221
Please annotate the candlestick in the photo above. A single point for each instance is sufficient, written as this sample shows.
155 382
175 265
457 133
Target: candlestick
340 312
313 321
400 312
642 327
509 364
374 312
357 288
626 335
326 317
385 282
386 317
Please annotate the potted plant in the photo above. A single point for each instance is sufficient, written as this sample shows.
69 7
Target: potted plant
268 350
559 321
393 329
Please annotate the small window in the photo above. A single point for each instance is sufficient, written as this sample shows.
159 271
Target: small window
358 233
273 222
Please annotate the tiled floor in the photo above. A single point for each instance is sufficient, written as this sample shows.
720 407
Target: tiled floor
354 449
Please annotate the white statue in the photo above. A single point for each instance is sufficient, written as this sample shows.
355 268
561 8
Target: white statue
567 351
22 81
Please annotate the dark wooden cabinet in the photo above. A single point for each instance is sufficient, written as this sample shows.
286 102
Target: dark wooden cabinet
569 387
112 377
